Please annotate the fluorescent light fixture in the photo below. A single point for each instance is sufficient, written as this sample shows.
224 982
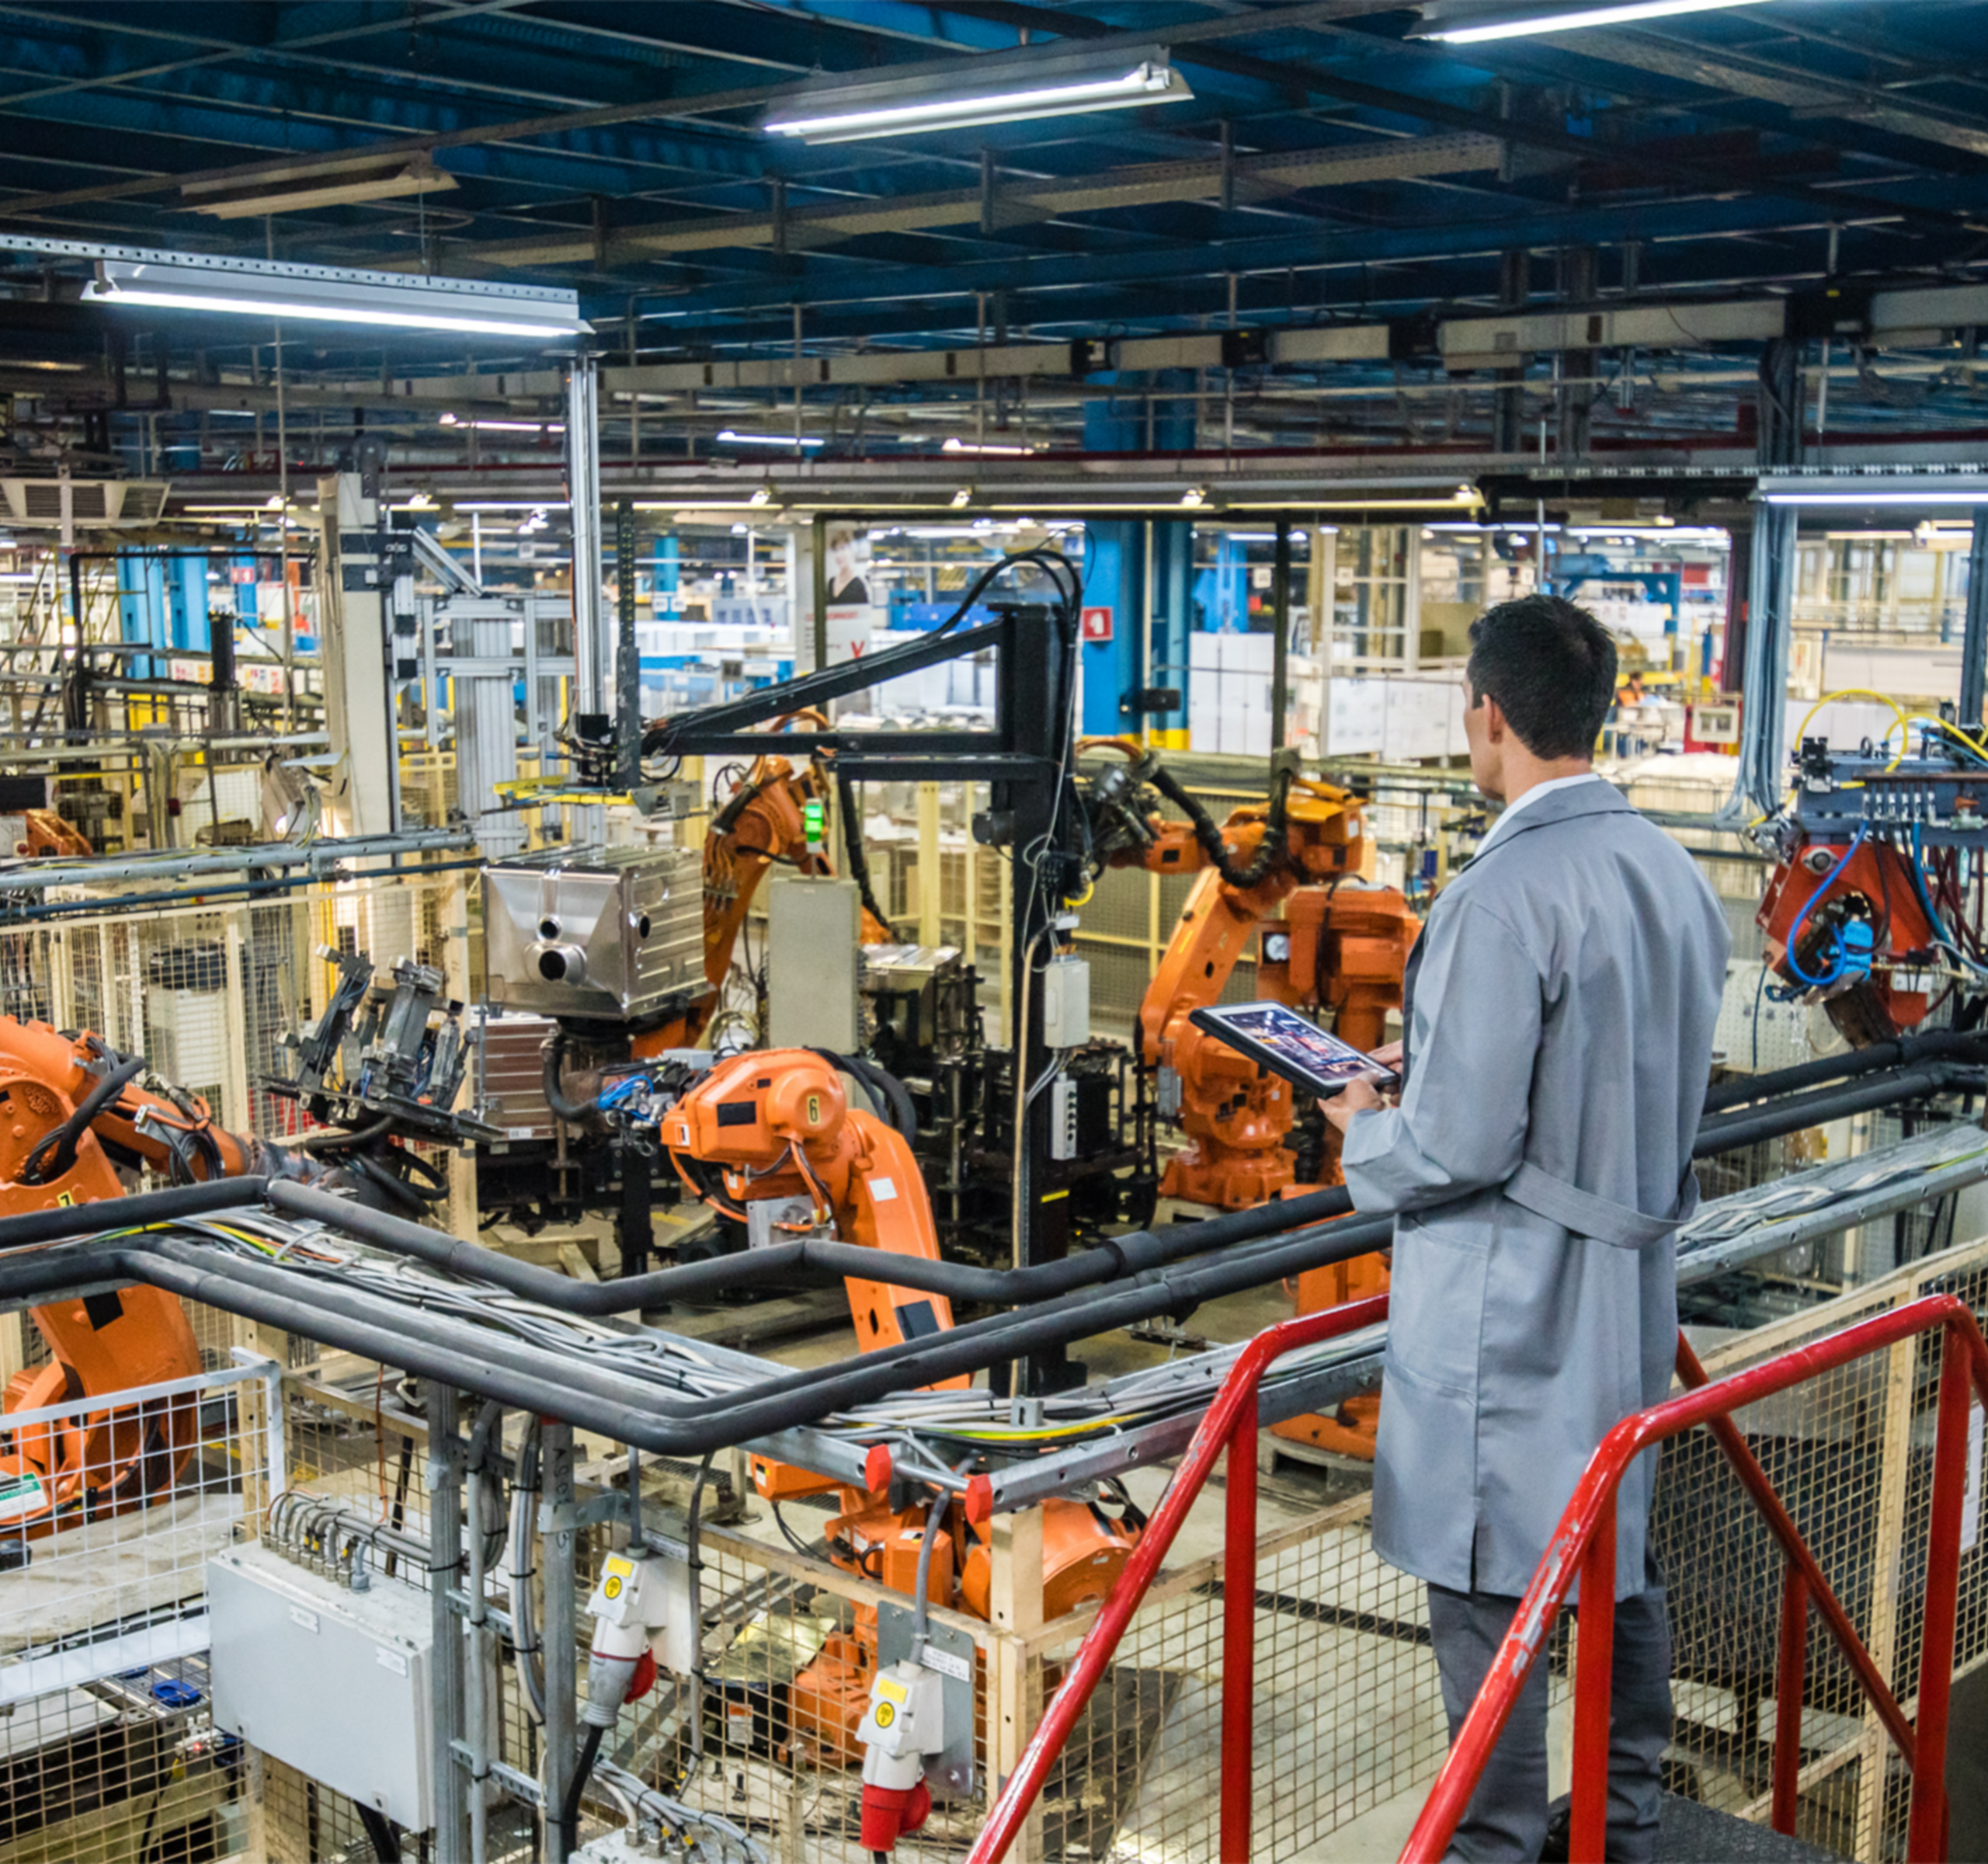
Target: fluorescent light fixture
1007 89
1195 497
1881 495
695 507
762 496
955 444
963 498
332 295
736 439
482 427
1479 25
528 505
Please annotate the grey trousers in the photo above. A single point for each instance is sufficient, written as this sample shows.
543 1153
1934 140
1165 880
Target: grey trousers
1506 1817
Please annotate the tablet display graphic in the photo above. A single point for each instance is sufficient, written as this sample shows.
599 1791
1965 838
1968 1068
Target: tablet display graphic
1280 1039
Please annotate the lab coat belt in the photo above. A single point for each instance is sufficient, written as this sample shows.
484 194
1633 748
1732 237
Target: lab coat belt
1586 1215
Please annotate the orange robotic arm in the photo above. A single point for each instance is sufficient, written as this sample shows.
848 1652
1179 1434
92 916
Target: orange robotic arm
71 1109
1346 950
778 1125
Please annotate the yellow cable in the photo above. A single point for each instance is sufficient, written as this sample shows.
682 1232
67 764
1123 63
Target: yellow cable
1941 725
1862 692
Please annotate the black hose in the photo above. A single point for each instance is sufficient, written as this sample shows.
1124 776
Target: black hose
1728 1133
893 1096
393 1187
55 1151
68 1221
858 861
1271 851
1936 1045
1115 1257
569 1812
379 1833
573 1112
477 1359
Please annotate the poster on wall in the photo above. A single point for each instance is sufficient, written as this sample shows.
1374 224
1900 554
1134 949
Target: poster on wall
852 611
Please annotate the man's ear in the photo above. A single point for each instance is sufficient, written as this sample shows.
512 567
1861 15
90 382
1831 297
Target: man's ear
1494 720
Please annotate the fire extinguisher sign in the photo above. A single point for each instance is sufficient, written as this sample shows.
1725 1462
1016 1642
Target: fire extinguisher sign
1097 624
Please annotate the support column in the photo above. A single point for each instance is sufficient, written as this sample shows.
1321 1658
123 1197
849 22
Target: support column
1280 642
1974 640
1763 684
359 714
1508 410
1114 579
1015 1606
448 1703
627 656
1173 610
1578 283
583 489
562 1713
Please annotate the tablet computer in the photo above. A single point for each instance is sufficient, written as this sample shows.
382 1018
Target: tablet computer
1276 1037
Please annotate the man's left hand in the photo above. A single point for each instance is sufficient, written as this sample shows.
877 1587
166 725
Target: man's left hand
1354 1098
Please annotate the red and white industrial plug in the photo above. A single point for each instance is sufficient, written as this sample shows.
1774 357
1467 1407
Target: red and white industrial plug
905 1722
642 1611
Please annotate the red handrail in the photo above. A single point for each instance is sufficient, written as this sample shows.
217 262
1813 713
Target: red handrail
1584 1543
1231 1421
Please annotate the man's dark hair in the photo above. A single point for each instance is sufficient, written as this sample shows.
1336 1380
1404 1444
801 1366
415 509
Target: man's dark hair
1552 668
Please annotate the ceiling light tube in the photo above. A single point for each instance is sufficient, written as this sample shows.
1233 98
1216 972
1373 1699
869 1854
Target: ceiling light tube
955 444
983 91
1507 24
532 505
481 426
327 294
769 439
1916 495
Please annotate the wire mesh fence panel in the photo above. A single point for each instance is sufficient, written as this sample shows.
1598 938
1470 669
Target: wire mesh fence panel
1850 1454
109 1511
1348 1714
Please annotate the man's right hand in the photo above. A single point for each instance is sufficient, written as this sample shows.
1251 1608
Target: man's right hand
1389 1055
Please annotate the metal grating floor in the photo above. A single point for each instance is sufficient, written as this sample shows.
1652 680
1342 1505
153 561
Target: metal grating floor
1693 1833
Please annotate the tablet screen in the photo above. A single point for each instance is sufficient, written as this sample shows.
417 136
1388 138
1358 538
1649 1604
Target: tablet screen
1282 1041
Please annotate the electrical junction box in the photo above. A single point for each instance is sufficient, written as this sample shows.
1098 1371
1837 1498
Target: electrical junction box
334 1683
814 961
1066 987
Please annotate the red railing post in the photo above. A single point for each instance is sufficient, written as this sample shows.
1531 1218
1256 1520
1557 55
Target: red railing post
1926 1832
1216 1430
1594 1689
1791 1678
1239 1636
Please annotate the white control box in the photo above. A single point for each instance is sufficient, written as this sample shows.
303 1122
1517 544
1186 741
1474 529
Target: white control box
332 1682
1065 1002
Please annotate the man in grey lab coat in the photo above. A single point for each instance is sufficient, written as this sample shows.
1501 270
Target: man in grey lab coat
1561 1003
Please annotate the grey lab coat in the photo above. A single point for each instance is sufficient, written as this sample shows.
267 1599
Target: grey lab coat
1562 1003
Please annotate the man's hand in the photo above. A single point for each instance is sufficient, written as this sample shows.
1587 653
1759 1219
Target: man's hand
1354 1098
